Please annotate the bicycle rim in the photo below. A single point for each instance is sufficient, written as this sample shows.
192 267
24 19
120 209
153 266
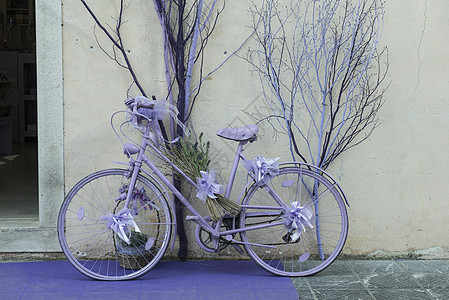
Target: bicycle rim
86 226
278 249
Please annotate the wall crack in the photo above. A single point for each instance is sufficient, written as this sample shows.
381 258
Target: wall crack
418 50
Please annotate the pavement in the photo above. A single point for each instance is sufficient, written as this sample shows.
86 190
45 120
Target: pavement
344 279
378 279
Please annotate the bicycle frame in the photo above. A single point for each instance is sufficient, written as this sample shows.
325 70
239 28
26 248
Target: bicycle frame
197 217
107 238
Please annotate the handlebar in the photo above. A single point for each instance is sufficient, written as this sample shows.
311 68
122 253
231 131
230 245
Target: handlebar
139 102
141 108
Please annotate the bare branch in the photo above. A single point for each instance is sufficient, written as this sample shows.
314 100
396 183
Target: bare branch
319 61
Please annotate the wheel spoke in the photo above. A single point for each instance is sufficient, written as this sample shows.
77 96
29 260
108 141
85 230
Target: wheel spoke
317 246
93 247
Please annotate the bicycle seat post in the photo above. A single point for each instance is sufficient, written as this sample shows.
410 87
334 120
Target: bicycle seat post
234 169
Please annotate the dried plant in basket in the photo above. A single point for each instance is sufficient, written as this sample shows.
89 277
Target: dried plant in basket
193 159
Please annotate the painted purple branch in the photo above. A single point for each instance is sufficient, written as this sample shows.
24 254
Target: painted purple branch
357 78
211 10
349 83
192 56
181 37
223 62
198 54
273 70
328 66
112 57
173 56
301 76
167 59
118 44
99 24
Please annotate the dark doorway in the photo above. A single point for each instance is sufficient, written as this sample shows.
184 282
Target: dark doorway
18 111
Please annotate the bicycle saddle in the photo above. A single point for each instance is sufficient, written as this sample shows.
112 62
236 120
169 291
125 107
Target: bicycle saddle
239 134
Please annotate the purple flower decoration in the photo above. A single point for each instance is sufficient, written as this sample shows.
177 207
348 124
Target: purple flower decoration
207 187
297 218
262 168
120 223
137 195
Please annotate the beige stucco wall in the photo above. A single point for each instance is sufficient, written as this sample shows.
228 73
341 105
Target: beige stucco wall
395 181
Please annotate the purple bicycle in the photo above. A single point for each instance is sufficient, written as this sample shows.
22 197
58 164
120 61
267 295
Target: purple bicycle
116 224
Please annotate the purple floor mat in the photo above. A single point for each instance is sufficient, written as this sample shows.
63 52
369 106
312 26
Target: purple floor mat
168 280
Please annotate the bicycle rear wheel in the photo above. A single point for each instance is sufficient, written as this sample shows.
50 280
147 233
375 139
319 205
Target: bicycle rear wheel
97 233
321 223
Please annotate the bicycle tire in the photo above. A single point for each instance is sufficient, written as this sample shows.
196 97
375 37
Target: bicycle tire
89 242
304 256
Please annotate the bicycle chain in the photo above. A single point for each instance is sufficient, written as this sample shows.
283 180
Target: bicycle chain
285 237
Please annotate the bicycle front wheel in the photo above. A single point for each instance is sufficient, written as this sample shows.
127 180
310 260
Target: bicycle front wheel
105 240
297 223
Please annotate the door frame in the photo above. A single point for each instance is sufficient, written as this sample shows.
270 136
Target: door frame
42 236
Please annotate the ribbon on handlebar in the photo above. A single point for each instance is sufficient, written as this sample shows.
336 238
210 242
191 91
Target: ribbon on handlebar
159 111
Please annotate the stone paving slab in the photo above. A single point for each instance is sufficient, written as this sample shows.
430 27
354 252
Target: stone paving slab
378 279
344 279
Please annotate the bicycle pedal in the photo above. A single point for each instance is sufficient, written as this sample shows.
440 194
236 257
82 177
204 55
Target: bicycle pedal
238 248
191 218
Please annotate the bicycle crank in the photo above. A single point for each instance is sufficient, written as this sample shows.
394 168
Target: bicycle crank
212 244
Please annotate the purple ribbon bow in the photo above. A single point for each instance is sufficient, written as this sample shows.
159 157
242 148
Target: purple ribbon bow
120 223
160 109
206 186
297 218
262 168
